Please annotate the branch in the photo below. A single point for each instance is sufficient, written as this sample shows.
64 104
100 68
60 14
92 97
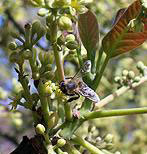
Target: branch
118 112
119 92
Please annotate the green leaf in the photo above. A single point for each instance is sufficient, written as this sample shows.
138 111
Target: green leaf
122 38
70 128
89 33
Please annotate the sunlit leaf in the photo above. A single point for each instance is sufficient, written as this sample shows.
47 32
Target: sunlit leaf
89 33
121 39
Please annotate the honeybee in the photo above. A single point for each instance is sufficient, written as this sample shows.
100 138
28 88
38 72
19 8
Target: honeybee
73 86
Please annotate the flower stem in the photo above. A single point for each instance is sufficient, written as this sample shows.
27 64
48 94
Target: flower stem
99 74
99 59
118 92
59 62
118 112
44 103
92 149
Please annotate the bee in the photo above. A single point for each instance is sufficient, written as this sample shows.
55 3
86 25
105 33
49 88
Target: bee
73 86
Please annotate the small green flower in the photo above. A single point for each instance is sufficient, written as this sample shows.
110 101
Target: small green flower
12 45
70 37
61 142
42 12
78 6
40 129
131 75
65 23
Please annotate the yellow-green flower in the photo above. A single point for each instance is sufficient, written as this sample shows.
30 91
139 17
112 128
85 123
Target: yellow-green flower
79 5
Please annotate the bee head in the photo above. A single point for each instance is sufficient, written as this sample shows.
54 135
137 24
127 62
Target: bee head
63 87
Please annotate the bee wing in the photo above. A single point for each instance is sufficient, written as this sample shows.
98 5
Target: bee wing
87 92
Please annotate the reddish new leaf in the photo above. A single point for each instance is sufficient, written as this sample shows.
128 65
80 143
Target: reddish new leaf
89 32
120 39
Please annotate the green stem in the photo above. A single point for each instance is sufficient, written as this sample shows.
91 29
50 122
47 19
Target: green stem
99 74
59 62
24 84
118 112
71 149
27 36
87 145
79 56
58 58
99 59
44 103
119 92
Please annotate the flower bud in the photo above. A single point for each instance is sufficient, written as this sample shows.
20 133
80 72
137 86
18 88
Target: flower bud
61 142
35 27
82 9
12 46
36 75
137 79
48 90
40 129
124 78
72 45
70 37
42 12
125 72
27 54
109 138
117 79
110 146
140 65
48 83
61 3
131 74
65 23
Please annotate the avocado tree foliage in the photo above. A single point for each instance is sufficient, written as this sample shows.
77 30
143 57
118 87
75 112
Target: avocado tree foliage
70 26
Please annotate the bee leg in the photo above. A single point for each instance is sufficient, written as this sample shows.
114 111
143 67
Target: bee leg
68 78
73 98
93 106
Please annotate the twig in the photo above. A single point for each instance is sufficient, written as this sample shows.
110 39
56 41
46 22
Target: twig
111 113
119 92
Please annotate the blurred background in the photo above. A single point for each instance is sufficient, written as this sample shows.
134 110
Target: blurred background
129 132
